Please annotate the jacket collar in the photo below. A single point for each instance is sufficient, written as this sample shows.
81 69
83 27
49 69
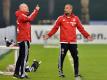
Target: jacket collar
18 12
72 15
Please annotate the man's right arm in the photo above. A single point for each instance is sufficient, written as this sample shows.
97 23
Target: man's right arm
34 13
54 29
25 18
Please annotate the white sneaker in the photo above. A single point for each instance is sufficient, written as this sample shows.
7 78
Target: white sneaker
78 78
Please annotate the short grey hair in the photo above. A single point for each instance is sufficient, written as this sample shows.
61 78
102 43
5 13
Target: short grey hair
22 5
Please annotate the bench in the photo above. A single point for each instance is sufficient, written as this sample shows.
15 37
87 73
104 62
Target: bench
16 48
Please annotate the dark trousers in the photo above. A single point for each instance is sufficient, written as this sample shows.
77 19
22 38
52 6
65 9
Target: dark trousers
74 53
22 58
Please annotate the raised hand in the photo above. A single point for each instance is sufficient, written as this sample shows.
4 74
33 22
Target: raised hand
90 38
45 37
37 7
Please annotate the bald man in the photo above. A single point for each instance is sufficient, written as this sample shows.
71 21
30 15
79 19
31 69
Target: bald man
23 37
68 24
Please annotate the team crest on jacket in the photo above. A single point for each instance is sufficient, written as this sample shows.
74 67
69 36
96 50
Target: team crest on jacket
63 19
73 23
74 19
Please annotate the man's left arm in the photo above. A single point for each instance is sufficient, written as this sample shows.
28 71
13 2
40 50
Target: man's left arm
82 30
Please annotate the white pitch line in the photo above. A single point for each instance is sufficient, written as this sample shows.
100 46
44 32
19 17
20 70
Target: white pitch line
6 73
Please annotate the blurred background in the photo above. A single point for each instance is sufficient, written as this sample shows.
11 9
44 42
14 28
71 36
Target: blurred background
89 11
93 15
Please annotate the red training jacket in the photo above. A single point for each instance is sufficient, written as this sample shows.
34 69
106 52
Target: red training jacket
68 27
24 26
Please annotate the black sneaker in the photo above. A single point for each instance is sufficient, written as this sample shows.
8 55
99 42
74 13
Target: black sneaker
15 76
61 73
35 65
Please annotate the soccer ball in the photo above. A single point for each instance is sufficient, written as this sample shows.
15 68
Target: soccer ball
11 68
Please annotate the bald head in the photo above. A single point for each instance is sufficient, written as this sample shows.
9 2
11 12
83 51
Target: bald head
68 9
24 7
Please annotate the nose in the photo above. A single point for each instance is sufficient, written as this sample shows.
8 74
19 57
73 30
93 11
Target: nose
68 7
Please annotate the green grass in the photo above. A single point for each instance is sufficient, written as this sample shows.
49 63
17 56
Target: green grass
93 63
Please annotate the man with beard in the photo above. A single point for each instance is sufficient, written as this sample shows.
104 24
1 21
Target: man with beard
68 24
